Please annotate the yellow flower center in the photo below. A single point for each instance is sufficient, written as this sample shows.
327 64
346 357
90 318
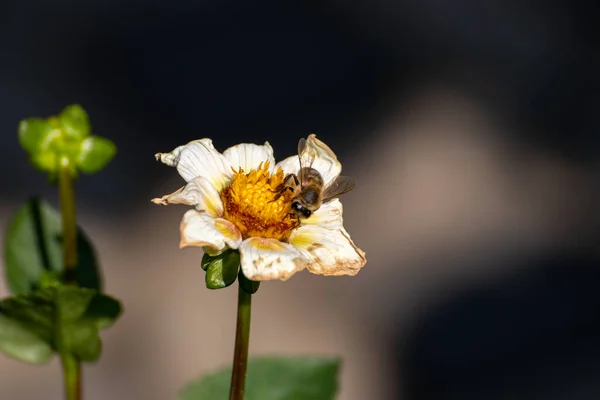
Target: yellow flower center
253 205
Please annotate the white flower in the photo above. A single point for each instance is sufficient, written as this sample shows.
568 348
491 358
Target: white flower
236 206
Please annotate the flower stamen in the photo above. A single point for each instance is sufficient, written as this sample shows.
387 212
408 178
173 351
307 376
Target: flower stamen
253 205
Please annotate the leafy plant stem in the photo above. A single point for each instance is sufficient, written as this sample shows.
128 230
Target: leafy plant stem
242 339
71 366
72 375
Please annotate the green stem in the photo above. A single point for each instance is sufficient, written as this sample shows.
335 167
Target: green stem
72 375
69 223
242 339
71 366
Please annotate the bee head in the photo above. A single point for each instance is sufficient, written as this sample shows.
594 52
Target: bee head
300 209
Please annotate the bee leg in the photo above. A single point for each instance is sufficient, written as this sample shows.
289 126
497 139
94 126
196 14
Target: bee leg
276 197
280 193
285 184
296 180
280 188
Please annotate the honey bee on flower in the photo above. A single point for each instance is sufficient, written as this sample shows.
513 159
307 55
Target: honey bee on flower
282 217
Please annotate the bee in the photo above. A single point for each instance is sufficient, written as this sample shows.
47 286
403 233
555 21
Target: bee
308 186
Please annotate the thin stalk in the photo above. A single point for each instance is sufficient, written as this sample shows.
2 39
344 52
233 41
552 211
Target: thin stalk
242 339
69 220
71 366
72 376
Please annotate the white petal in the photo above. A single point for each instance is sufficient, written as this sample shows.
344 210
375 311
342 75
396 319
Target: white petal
290 165
267 259
323 159
199 158
248 156
200 229
329 215
198 193
331 251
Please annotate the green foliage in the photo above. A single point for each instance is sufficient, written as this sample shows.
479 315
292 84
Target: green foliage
18 342
61 318
273 378
48 141
75 122
32 134
33 250
221 270
94 154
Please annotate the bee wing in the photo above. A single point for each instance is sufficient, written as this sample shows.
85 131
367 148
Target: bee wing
301 145
306 156
341 185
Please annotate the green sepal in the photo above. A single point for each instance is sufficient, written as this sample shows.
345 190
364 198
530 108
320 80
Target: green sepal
60 319
33 250
273 378
221 270
206 260
75 122
94 153
247 285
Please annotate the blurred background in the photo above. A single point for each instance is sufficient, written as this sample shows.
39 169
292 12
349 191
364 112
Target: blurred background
471 127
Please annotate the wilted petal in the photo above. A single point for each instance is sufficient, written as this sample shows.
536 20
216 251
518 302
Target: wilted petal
290 165
199 158
248 156
198 193
319 156
331 251
200 229
329 215
268 259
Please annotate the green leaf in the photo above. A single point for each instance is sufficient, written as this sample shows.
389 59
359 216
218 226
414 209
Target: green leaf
221 270
273 378
64 319
45 161
75 122
94 153
18 342
33 247
34 133
81 314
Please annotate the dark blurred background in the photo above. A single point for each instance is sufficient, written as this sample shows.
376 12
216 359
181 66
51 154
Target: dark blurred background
472 128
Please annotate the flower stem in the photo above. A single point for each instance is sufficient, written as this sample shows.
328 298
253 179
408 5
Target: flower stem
242 339
70 365
69 223
72 376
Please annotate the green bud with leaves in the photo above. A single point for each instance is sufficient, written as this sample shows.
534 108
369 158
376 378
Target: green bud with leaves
65 138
